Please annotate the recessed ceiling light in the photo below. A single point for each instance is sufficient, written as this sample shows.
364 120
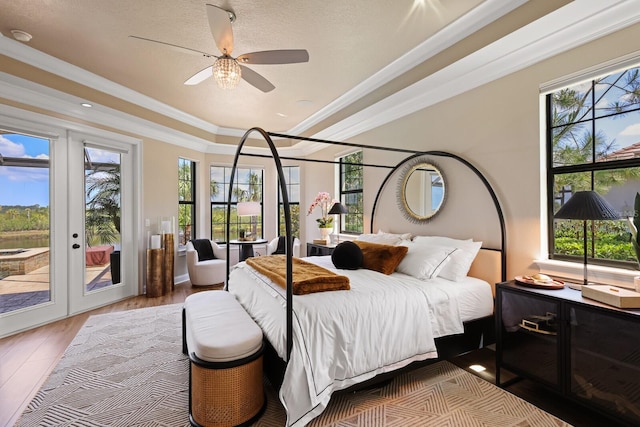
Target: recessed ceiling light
281 114
21 36
86 105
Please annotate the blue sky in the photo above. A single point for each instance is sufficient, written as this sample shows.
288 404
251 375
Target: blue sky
30 186
24 186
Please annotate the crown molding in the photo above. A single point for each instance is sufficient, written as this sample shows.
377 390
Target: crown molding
479 17
43 61
43 97
35 95
573 25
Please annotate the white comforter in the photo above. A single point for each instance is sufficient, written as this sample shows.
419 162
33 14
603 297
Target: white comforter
342 338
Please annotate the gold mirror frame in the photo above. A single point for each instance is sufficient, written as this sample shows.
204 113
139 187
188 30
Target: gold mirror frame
415 190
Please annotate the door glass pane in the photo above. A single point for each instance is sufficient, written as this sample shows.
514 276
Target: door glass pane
102 218
24 221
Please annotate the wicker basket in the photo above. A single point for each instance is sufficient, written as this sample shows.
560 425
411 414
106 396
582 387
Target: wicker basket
226 396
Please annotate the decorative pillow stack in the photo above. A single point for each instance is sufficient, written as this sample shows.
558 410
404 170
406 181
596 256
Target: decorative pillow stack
424 257
460 260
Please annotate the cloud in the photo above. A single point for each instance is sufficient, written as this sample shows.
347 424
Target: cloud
10 148
18 174
103 156
632 130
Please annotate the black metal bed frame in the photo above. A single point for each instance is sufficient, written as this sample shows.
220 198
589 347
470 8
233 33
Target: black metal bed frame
447 346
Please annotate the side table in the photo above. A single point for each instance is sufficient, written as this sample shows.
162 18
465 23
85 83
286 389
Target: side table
246 247
314 249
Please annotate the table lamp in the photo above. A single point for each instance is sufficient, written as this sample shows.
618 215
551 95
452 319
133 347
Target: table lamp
586 206
338 209
251 209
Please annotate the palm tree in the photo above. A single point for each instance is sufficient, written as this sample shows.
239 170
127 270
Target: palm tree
103 206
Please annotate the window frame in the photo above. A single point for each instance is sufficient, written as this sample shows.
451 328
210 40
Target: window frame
240 222
593 166
295 230
192 203
343 193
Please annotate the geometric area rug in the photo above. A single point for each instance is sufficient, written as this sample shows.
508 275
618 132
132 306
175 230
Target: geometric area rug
127 369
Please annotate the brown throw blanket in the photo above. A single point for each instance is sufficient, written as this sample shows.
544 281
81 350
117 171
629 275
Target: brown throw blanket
307 277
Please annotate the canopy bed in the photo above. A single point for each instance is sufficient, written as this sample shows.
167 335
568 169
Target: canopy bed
380 321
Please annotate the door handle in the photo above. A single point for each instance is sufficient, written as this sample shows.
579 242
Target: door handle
75 246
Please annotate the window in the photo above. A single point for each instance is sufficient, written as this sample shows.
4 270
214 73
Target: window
351 193
593 143
292 181
186 200
247 186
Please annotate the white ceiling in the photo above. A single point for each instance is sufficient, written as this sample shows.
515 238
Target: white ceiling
367 57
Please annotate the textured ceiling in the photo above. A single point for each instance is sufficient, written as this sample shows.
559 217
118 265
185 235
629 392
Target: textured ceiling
370 60
348 41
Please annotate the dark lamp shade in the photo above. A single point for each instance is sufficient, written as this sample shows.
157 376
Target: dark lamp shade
587 205
337 209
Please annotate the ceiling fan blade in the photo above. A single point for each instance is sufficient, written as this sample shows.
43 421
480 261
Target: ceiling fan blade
200 76
176 47
220 24
256 80
285 56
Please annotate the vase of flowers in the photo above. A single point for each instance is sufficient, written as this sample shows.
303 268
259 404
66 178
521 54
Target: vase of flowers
325 222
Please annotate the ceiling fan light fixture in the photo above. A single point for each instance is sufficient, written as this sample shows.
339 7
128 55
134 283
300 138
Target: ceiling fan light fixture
227 72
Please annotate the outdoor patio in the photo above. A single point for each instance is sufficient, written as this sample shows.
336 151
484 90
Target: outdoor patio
25 290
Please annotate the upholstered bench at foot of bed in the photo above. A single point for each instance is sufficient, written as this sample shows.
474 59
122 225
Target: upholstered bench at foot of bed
225 351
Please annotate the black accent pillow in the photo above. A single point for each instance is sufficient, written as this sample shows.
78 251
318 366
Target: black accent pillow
204 249
281 249
347 256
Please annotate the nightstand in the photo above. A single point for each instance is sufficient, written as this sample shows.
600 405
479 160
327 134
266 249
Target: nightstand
582 349
314 249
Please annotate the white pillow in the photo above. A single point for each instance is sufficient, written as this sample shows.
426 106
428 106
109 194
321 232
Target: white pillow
425 262
461 260
382 239
403 236
440 240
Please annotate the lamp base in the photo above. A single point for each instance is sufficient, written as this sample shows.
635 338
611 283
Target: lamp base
577 286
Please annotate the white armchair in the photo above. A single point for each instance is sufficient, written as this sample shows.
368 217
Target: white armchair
208 272
272 246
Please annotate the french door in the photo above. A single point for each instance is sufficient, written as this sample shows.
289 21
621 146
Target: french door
75 191
100 222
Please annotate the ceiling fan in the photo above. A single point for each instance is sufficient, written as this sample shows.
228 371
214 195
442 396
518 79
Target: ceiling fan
227 70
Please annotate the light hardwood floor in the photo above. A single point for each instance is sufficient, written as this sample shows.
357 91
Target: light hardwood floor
27 358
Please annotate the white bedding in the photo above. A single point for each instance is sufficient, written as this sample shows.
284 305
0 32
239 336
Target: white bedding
342 338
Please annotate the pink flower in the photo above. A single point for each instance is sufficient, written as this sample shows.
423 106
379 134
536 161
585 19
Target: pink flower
324 200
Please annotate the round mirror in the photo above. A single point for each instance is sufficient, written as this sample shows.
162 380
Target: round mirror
422 191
